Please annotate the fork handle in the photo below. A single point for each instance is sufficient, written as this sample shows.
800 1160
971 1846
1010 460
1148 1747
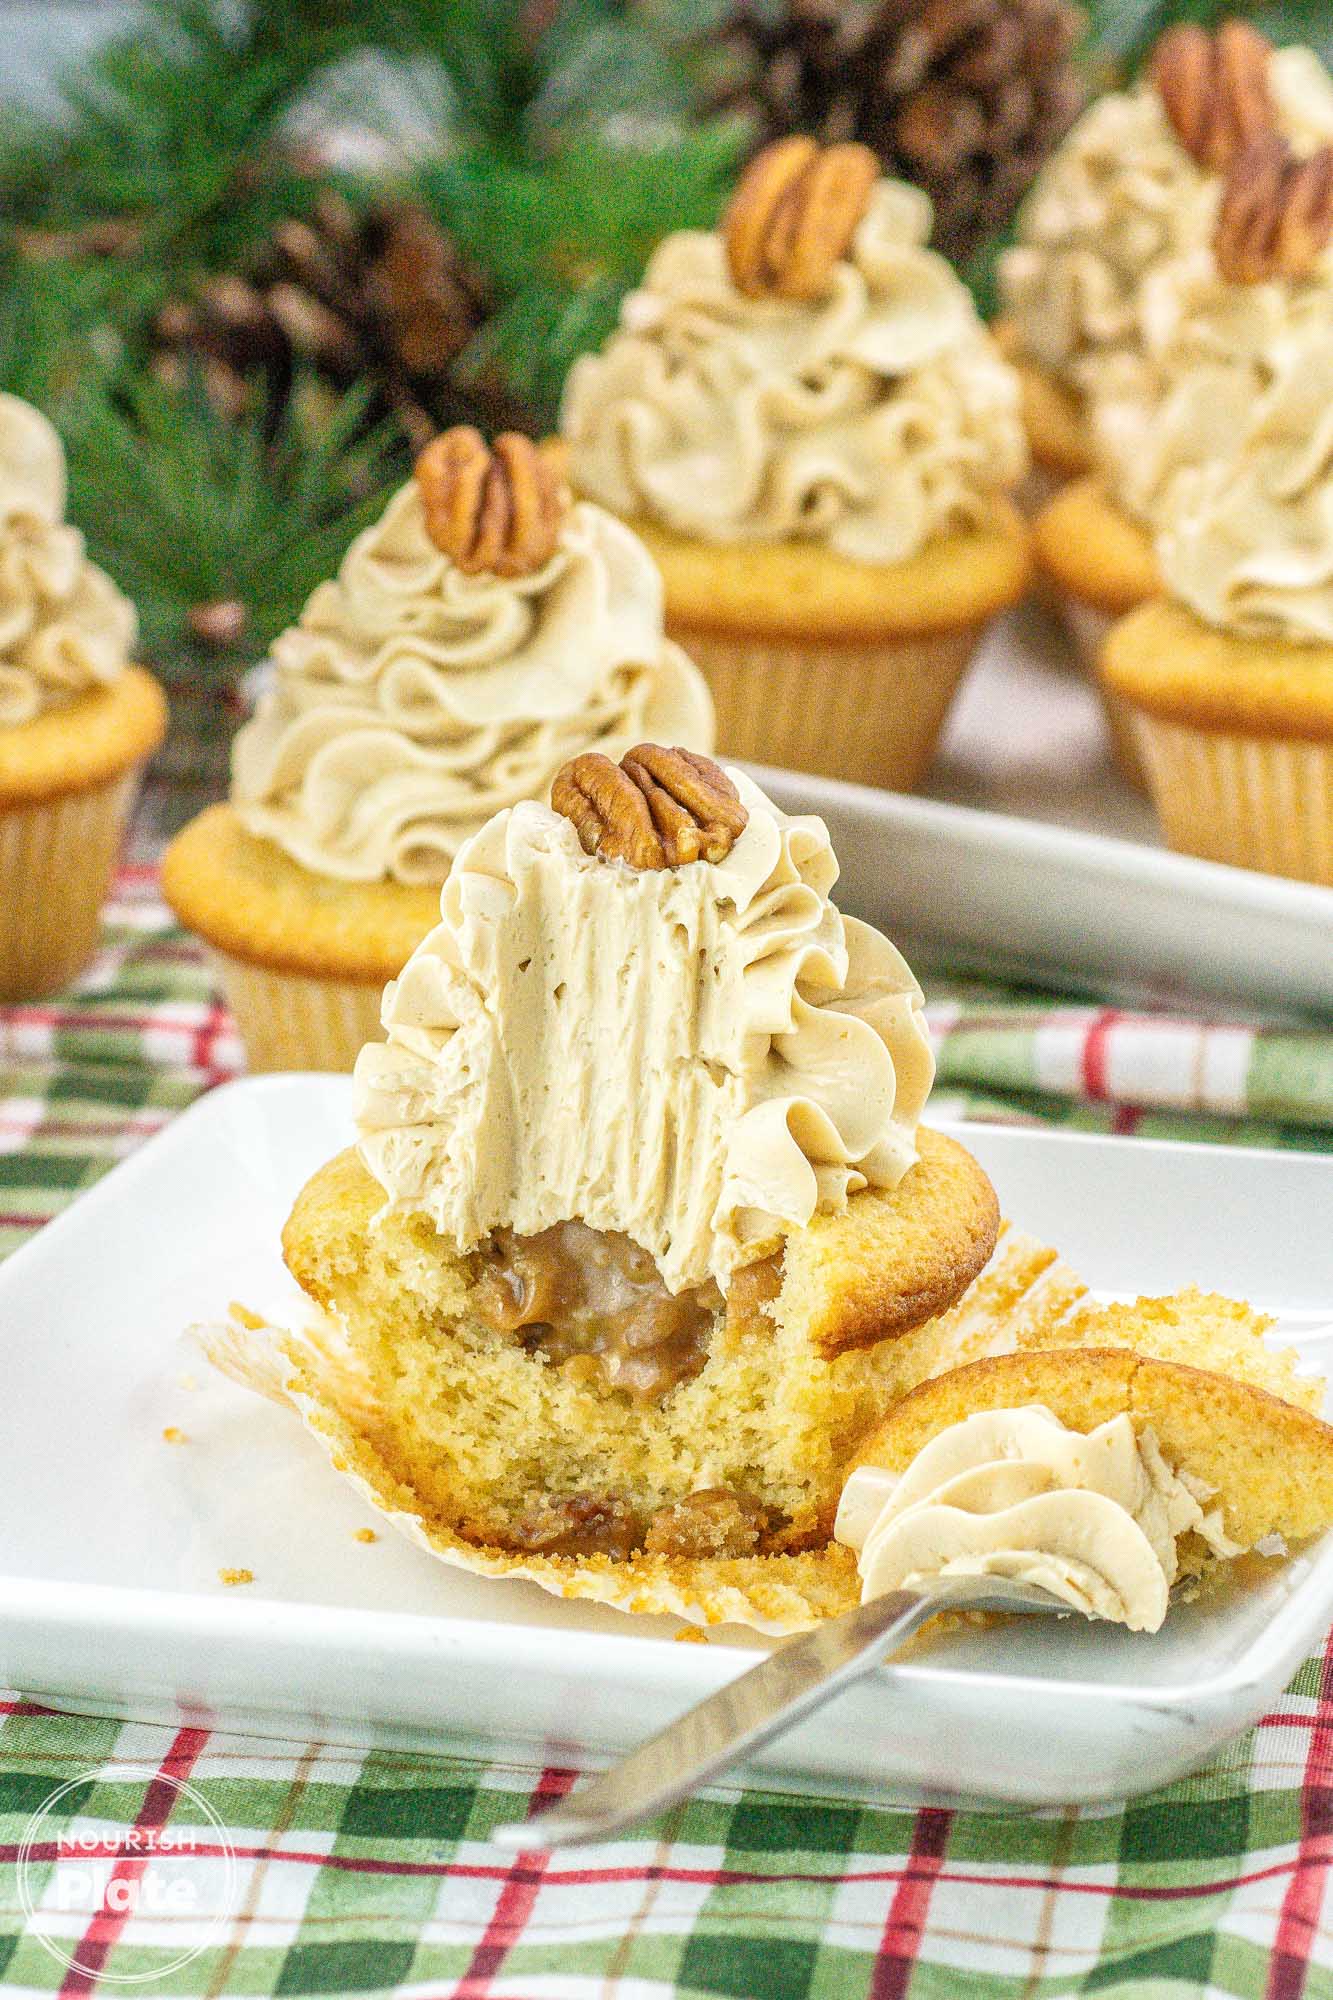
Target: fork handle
728 1725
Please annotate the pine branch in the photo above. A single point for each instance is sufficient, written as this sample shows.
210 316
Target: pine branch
187 510
172 128
55 327
563 242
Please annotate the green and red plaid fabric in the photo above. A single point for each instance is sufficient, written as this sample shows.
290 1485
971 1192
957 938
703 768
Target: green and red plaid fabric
371 1872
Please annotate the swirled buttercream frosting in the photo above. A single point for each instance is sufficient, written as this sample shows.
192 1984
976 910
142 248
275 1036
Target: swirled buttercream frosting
1246 540
702 1057
1120 198
1094 1519
64 627
873 419
411 701
1212 350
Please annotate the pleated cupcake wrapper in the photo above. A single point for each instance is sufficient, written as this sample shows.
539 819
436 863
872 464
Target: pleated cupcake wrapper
315 1373
871 714
56 862
288 1020
1087 627
1254 801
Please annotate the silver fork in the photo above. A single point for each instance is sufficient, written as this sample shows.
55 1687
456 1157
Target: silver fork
750 1711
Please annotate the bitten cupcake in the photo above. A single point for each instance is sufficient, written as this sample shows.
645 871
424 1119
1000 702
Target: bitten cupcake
77 721
807 423
476 637
1134 186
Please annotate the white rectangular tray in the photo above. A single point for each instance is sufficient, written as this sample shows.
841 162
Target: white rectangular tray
993 893
112 1538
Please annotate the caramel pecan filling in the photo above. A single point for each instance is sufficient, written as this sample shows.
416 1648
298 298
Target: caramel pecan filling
595 1305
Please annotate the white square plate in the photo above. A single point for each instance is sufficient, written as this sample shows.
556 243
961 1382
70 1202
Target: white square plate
112 1538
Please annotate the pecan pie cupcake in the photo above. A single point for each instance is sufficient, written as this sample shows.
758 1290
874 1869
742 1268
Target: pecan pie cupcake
1134 186
639 1197
77 720
480 633
1174 393
1229 678
804 419
643 1251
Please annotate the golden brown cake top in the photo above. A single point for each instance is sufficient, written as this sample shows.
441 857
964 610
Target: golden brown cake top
810 372
64 627
676 1035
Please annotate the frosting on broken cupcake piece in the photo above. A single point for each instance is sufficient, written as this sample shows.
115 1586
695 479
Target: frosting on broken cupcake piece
64 627
701 1054
419 693
1094 1519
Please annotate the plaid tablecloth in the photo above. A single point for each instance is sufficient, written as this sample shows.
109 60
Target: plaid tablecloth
371 1872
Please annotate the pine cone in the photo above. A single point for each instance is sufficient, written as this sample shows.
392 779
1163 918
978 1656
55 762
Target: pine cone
964 97
384 298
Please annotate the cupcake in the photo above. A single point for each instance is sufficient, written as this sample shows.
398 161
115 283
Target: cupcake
645 1281
1229 678
477 636
1168 393
1134 186
804 419
640 1193
77 720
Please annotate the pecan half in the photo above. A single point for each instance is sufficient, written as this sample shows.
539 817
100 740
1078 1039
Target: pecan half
497 508
793 215
1276 213
656 808
1215 89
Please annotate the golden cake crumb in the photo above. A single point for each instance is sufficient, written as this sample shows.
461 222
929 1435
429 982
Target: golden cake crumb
365 1535
690 1635
253 1320
234 1576
173 1435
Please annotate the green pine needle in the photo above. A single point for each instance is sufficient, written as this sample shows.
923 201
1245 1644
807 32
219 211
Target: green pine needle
185 509
172 127
564 241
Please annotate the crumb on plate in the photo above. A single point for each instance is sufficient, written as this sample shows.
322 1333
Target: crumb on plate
690 1635
234 1576
172 1434
365 1535
253 1320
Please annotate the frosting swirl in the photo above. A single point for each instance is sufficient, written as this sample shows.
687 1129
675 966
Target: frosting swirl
1210 350
412 700
702 1057
1246 539
1093 1519
64 627
873 420
1118 200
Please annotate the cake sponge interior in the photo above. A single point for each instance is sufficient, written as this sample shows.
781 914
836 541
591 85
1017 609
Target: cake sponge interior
494 1440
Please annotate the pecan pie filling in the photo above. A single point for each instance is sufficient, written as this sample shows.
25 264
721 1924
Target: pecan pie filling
594 1303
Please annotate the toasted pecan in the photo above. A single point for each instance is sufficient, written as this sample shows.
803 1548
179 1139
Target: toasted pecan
793 216
497 508
656 808
1215 89
1276 213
